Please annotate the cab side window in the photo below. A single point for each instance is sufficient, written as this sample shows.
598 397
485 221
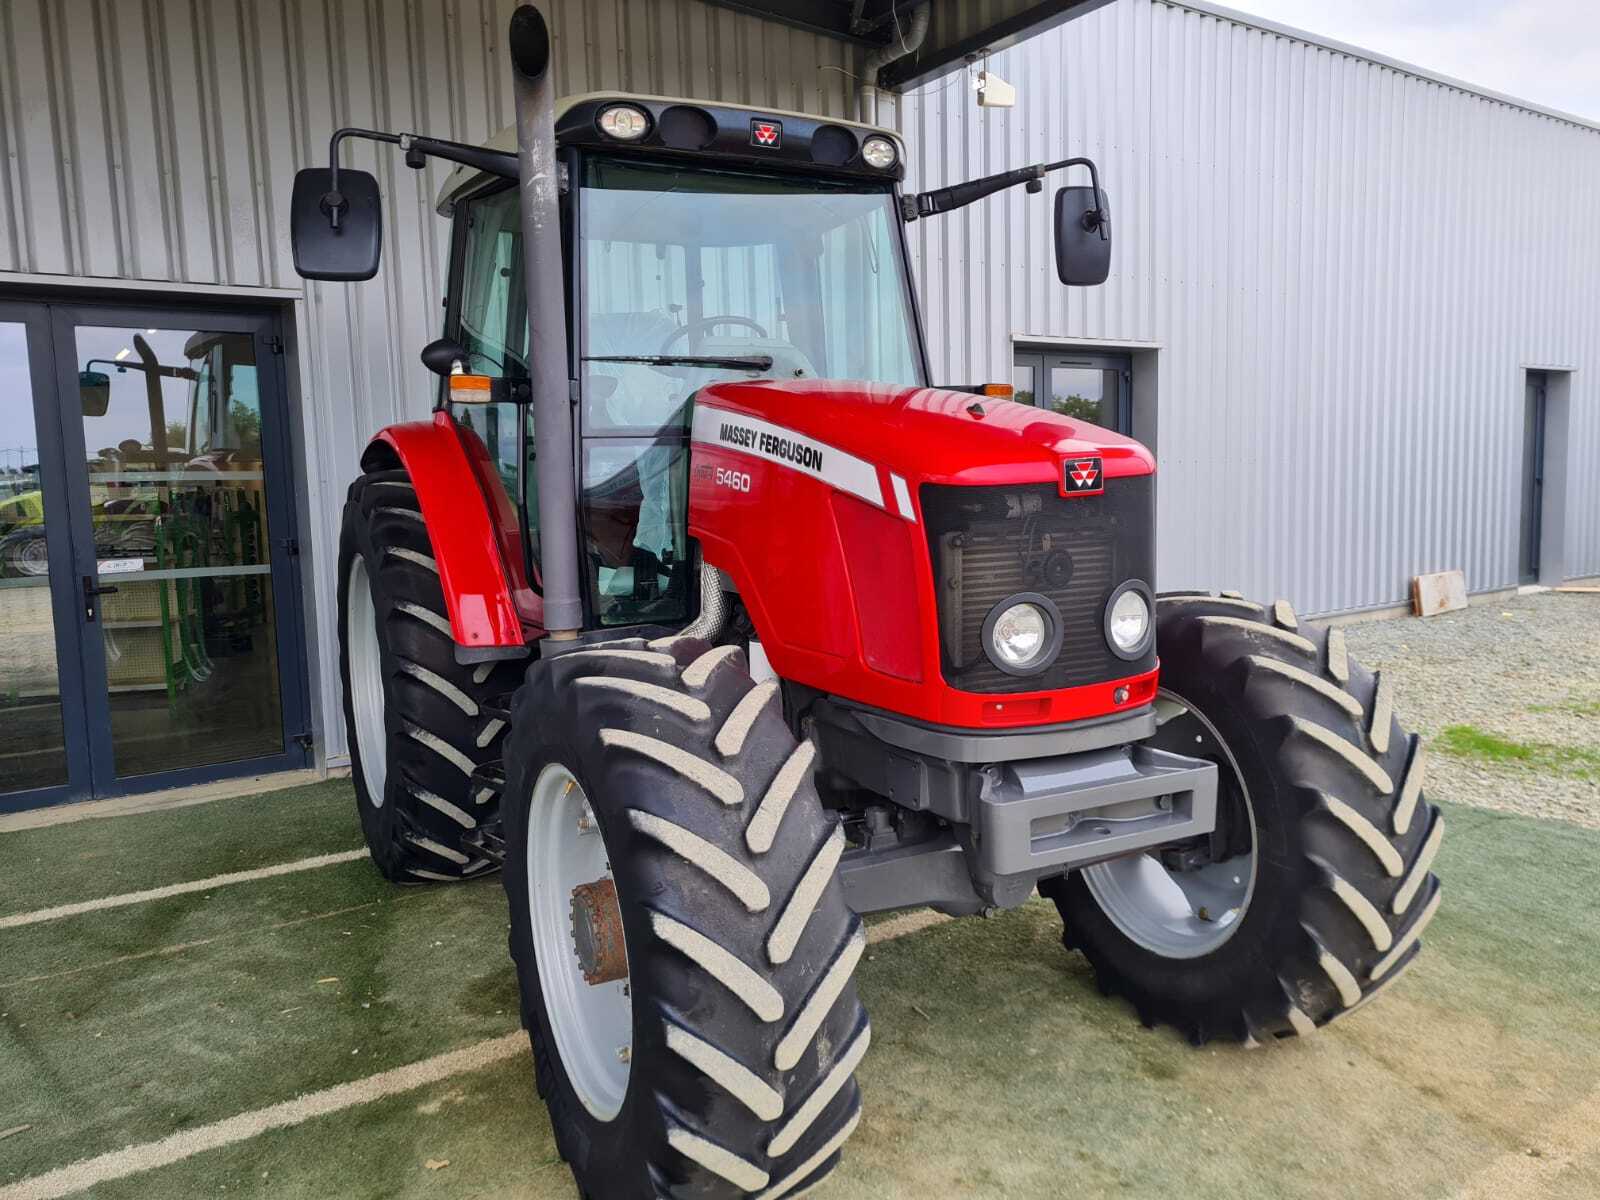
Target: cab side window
491 316
490 319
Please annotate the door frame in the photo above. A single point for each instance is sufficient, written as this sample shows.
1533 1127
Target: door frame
92 773
1536 416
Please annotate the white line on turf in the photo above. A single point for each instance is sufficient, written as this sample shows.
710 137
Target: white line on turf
178 889
901 924
184 947
1554 1148
132 1160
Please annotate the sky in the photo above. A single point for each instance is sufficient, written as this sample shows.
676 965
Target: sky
1545 51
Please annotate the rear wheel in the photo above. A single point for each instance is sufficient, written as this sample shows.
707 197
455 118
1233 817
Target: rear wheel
415 716
683 945
1312 894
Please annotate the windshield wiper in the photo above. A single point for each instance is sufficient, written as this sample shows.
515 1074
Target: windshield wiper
735 362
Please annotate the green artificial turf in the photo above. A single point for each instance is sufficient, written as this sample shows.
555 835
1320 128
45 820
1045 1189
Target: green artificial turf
84 860
997 1069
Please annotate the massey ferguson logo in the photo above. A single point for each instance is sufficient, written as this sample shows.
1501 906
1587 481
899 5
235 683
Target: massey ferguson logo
766 134
1083 477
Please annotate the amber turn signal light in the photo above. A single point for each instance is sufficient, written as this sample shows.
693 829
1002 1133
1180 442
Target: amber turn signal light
1000 391
470 389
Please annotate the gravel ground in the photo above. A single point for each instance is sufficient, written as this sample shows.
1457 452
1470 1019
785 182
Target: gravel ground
1525 669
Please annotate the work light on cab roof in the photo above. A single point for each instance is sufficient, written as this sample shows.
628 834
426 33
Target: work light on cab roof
624 122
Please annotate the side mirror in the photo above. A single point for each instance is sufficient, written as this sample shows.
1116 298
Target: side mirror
348 248
94 391
1083 236
441 356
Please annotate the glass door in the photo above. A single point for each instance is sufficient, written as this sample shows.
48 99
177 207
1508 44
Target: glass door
42 736
149 628
182 556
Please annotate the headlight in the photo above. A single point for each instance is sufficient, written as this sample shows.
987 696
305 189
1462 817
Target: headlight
624 122
879 152
1128 629
1022 634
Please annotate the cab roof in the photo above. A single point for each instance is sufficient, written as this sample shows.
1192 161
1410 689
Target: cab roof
713 122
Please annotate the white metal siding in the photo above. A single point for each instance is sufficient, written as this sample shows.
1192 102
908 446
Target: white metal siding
1346 267
157 141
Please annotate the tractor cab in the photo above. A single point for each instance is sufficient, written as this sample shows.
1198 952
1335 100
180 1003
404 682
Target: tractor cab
703 244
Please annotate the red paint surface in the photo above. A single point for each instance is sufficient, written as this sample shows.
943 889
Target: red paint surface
480 573
891 634
822 587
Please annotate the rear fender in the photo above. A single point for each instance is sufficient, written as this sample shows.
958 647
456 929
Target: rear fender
476 536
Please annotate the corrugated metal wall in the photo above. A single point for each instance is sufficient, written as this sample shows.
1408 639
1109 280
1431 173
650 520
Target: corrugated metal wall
157 141
1346 267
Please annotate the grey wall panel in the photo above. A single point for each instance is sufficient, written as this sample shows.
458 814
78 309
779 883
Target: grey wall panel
156 140
1347 267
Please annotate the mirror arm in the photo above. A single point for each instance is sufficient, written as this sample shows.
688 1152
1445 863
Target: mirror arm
959 195
419 148
1094 218
495 162
333 201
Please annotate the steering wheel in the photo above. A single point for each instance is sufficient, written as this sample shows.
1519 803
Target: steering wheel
708 323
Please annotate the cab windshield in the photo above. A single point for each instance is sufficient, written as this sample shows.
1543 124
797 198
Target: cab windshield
755 276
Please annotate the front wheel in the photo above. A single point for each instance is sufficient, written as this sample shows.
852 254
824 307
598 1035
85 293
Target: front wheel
1313 892
682 943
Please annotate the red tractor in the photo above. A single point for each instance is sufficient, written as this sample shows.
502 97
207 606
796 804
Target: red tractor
718 647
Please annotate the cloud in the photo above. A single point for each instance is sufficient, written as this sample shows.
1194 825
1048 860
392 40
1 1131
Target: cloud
1544 51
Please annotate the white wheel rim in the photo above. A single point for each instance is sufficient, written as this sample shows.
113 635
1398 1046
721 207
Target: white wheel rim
33 558
592 1024
366 681
1180 914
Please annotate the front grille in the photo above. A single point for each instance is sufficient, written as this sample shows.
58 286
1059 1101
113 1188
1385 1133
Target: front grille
988 543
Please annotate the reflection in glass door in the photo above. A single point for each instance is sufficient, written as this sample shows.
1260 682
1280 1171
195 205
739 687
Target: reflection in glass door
1091 387
33 747
179 586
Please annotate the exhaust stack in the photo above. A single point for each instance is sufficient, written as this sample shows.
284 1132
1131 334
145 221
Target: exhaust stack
547 322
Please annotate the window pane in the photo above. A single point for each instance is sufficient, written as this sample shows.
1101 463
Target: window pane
1087 393
635 504
492 319
33 751
1022 381
804 276
177 498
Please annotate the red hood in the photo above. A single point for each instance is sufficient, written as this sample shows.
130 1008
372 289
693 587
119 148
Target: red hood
932 434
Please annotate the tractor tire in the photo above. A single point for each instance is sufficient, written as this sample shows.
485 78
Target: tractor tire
415 716
742 1025
1343 838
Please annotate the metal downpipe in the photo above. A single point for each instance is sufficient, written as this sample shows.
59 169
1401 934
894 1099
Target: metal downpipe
908 41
